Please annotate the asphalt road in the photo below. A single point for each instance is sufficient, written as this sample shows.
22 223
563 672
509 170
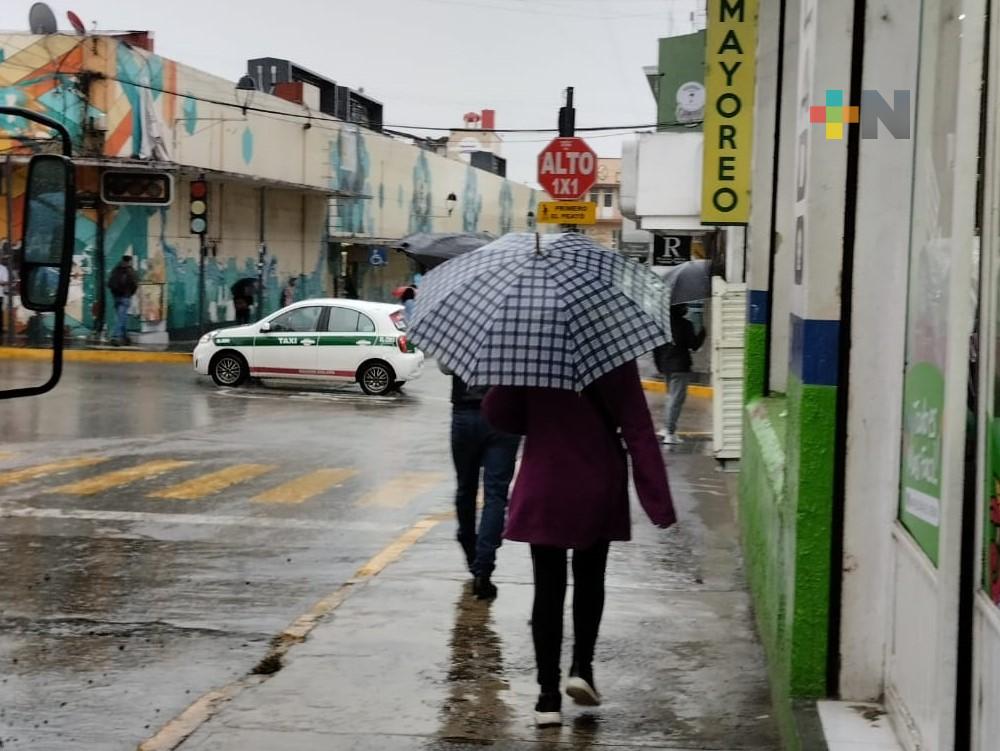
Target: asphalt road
156 532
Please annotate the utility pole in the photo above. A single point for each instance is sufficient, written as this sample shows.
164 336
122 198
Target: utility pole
567 128
567 116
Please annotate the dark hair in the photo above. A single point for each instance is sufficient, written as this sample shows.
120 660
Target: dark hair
408 294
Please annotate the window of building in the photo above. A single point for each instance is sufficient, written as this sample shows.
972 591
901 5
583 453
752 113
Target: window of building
609 199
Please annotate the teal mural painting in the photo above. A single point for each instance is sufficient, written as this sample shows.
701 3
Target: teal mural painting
190 110
247 145
132 68
351 166
472 202
420 206
506 208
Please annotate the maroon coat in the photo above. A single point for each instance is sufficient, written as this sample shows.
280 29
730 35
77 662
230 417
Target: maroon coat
572 490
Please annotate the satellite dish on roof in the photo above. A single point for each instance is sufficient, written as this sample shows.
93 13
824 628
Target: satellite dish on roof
41 19
75 21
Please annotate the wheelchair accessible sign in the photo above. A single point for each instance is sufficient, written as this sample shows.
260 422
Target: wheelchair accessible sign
378 257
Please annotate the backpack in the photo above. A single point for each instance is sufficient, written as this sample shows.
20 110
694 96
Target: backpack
118 282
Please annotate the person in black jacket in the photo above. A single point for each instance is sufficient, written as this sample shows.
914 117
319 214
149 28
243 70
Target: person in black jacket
674 362
476 449
123 284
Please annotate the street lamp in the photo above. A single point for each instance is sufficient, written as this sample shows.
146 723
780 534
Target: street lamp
245 89
450 202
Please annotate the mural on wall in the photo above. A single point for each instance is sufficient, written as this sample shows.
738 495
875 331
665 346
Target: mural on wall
472 202
49 89
420 206
141 118
351 167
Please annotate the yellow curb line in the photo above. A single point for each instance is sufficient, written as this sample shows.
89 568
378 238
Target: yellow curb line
94 355
659 387
179 729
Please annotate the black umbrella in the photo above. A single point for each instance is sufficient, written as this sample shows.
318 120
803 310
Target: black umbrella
689 282
245 287
431 249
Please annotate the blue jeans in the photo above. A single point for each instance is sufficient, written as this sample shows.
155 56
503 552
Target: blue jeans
122 304
677 391
476 446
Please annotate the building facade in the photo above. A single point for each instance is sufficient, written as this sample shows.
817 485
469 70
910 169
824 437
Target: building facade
293 192
869 482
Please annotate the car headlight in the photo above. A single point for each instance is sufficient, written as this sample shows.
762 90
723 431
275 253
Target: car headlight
207 338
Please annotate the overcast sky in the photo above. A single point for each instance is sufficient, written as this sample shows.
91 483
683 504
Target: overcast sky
427 61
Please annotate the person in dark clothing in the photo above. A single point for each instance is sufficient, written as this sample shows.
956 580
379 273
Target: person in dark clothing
123 284
572 498
243 298
477 448
674 362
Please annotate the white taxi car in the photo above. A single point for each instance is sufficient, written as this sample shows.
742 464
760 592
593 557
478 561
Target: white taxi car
316 340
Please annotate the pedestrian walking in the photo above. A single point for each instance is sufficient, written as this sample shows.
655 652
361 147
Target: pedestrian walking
477 448
288 293
673 361
557 323
243 298
123 284
571 494
4 292
407 296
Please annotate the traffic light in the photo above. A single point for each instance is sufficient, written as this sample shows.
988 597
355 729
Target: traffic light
125 187
199 206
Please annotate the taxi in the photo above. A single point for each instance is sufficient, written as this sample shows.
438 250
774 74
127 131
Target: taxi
316 340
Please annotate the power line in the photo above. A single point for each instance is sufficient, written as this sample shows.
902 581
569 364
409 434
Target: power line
320 117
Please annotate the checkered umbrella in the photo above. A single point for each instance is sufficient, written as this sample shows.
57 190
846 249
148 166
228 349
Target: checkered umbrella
552 310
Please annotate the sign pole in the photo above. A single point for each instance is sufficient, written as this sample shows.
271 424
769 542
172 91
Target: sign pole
567 129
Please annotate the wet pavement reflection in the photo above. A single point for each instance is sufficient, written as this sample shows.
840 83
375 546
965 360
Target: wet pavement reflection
475 706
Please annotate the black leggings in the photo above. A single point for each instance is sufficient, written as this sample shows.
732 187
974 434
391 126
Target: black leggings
550 594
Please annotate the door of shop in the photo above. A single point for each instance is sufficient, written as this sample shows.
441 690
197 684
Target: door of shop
984 544
924 635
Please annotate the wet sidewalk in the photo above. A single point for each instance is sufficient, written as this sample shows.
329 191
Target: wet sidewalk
410 660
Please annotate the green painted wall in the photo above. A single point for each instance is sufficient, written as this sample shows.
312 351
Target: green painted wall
754 361
810 464
786 492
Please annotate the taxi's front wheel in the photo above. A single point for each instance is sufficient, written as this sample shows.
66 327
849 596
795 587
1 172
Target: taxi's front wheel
228 369
376 378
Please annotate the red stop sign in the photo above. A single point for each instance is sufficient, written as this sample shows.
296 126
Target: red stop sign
567 168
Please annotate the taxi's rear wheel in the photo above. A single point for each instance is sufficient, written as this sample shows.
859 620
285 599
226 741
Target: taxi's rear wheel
376 378
229 369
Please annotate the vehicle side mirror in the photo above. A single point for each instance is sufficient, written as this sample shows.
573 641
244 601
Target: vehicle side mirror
49 227
265 327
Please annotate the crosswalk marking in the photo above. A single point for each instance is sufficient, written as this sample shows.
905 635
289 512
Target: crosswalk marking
15 476
120 477
213 482
303 488
400 491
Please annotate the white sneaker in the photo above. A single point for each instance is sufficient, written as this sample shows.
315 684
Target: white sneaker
672 439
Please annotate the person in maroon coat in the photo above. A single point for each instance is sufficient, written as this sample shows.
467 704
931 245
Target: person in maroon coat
571 493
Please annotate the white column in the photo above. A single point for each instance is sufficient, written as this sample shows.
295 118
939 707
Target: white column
878 336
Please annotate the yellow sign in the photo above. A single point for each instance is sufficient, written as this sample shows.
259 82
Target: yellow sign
730 58
567 212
